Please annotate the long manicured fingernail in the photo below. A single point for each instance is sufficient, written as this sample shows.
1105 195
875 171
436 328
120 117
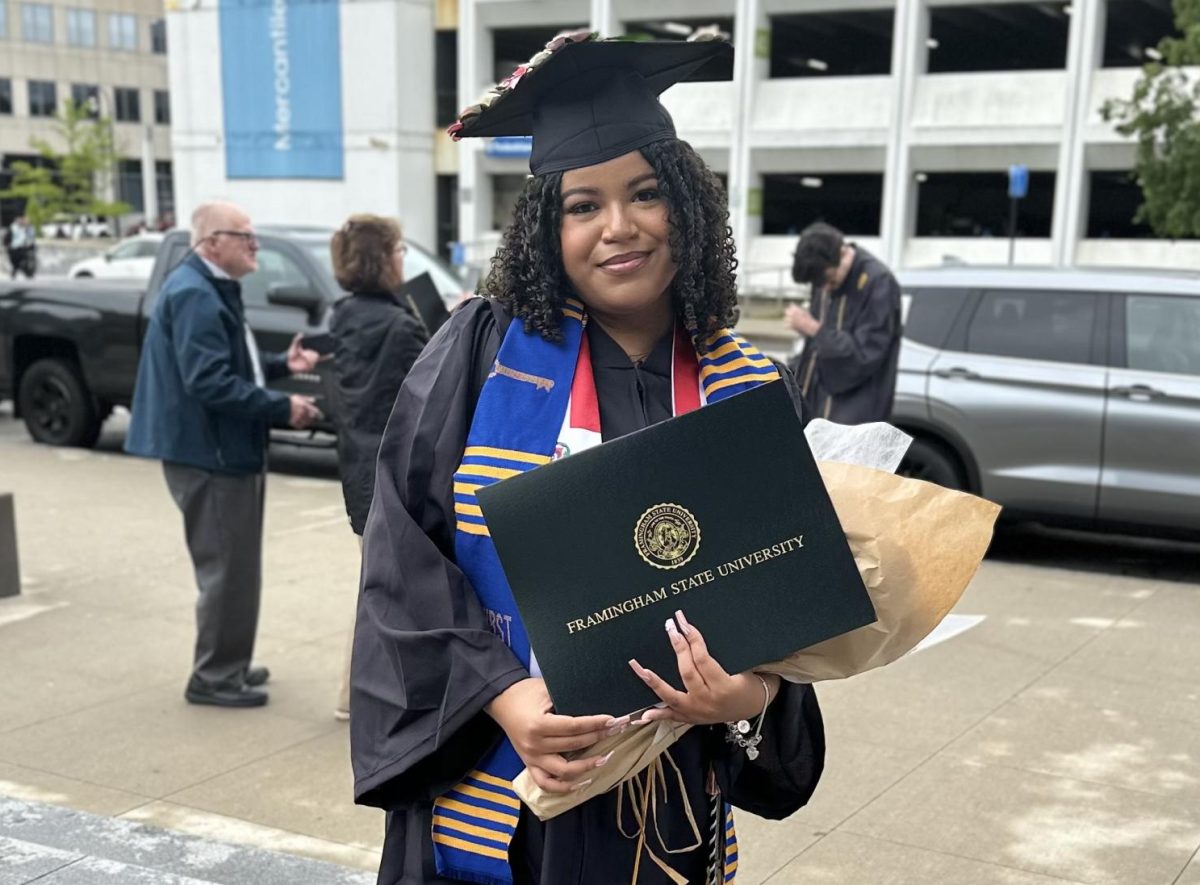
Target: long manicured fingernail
672 631
603 760
683 623
581 785
620 722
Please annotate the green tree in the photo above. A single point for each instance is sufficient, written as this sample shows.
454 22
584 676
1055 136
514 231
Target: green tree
1162 117
73 180
35 185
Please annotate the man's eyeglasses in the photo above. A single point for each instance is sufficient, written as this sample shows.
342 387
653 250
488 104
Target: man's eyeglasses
401 247
249 238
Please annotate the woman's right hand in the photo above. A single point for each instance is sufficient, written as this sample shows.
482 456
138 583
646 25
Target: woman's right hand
541 737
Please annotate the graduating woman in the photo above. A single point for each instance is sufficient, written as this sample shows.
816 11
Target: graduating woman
606 311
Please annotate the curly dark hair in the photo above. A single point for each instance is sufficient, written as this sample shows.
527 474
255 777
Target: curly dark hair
527 274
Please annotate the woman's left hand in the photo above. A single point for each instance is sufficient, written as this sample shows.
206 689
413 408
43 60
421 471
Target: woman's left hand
711 695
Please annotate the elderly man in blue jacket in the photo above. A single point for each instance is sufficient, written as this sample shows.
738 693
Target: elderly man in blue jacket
202 407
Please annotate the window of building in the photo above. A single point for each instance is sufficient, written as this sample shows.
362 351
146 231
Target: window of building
1132 30
998 37
976 204
515 46
37 23
851 202
1054 326
447 213
832 44
505 191
43 98
1113 200
445 74
164 183
162 107
129 184
682 29
81 27
6 106
122 32
158 36
129 105
87 97
1162 334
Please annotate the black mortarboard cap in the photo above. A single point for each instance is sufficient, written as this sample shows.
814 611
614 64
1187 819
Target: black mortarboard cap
588 102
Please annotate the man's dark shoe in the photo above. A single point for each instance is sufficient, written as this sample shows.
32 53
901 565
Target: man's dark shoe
257 676
242 696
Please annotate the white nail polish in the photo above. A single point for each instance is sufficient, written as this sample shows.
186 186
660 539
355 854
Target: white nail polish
670 627
603 760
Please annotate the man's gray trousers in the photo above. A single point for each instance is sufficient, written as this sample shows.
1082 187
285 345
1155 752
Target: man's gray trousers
223 521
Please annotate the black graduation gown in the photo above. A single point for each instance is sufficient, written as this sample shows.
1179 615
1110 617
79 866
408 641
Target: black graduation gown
847 371
426 663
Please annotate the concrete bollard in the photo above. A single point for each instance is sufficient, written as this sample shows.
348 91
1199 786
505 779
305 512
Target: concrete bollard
10 573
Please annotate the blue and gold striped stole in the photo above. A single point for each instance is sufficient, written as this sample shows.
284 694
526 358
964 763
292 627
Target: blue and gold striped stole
731 365
516 428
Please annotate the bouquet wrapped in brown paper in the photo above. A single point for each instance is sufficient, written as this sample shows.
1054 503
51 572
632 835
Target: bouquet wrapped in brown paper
917 546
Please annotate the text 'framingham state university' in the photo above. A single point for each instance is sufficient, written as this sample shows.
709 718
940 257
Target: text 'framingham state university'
708 576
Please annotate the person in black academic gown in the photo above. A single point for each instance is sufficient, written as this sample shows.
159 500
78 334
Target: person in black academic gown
629 220
851 338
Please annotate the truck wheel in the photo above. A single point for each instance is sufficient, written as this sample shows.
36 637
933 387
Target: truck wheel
57 406
931 462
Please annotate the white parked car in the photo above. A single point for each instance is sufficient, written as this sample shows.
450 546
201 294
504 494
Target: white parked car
130 259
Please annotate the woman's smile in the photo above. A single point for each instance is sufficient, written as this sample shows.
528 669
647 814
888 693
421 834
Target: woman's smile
625 263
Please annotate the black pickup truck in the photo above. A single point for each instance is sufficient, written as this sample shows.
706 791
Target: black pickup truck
69 348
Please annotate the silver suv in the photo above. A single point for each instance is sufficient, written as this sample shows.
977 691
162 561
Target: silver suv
1064 395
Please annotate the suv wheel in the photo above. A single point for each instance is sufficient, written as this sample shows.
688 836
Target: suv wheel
932 462
57 406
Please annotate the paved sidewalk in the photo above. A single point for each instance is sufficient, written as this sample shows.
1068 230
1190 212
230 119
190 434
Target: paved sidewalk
57 846
1058 741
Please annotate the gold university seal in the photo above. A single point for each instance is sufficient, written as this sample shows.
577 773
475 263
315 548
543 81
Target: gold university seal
666 536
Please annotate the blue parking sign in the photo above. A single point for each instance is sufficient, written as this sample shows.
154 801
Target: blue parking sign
1018 181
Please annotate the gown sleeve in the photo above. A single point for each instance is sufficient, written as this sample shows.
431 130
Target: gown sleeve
790 760
425 662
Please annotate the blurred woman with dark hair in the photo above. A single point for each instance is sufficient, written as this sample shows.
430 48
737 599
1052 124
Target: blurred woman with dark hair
376 341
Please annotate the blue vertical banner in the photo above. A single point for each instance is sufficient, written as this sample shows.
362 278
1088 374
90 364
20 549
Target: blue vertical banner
281 76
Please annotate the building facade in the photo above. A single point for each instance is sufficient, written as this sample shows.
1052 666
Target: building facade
306 112
896 121
109 54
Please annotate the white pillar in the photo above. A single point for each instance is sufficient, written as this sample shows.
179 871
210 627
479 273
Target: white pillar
149 179
748 70
909 54
1071 185
471 69
602 19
